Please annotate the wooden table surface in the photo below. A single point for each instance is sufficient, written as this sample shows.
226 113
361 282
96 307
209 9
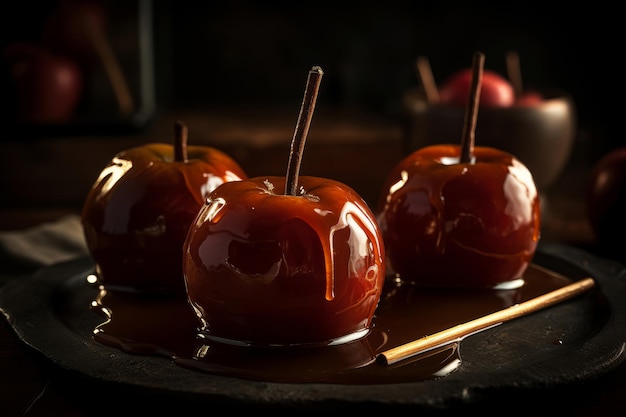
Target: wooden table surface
46 178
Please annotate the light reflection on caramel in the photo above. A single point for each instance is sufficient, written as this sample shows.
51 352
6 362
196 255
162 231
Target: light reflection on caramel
167 327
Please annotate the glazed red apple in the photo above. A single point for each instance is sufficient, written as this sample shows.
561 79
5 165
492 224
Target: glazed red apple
496 90
48 87
285 260
266 268
460 216
606 200
447 223
137 213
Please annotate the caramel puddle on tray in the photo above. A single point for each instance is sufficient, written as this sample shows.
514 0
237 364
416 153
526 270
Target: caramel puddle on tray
167 327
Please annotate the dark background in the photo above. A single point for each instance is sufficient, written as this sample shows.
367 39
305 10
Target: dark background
246 52
221 54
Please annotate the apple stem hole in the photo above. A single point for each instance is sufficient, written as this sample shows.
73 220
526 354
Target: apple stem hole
302 129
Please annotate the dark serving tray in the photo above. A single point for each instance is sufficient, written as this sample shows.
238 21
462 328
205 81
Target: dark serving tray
49 312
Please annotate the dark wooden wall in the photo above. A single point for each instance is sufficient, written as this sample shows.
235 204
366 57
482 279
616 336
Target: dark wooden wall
244 51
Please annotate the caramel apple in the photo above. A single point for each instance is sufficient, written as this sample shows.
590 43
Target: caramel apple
138 211
284 261
459 215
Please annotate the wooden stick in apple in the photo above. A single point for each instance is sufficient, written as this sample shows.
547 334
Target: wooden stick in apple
471 111
302 129
425 74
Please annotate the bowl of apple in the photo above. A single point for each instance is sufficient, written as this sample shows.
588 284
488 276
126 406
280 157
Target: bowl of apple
538 126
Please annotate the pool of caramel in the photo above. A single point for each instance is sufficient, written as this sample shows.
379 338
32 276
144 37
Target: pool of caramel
168 327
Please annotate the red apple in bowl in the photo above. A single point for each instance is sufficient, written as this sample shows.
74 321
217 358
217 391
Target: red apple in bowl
284 261
460 216
138 211
529 98
47 86
496 90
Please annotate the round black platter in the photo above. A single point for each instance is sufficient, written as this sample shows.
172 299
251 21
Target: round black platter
503 365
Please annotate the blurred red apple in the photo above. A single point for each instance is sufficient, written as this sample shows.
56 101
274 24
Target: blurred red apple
67 30
48 87
137 213
460 216
282 261
606 202
529 98
496 90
